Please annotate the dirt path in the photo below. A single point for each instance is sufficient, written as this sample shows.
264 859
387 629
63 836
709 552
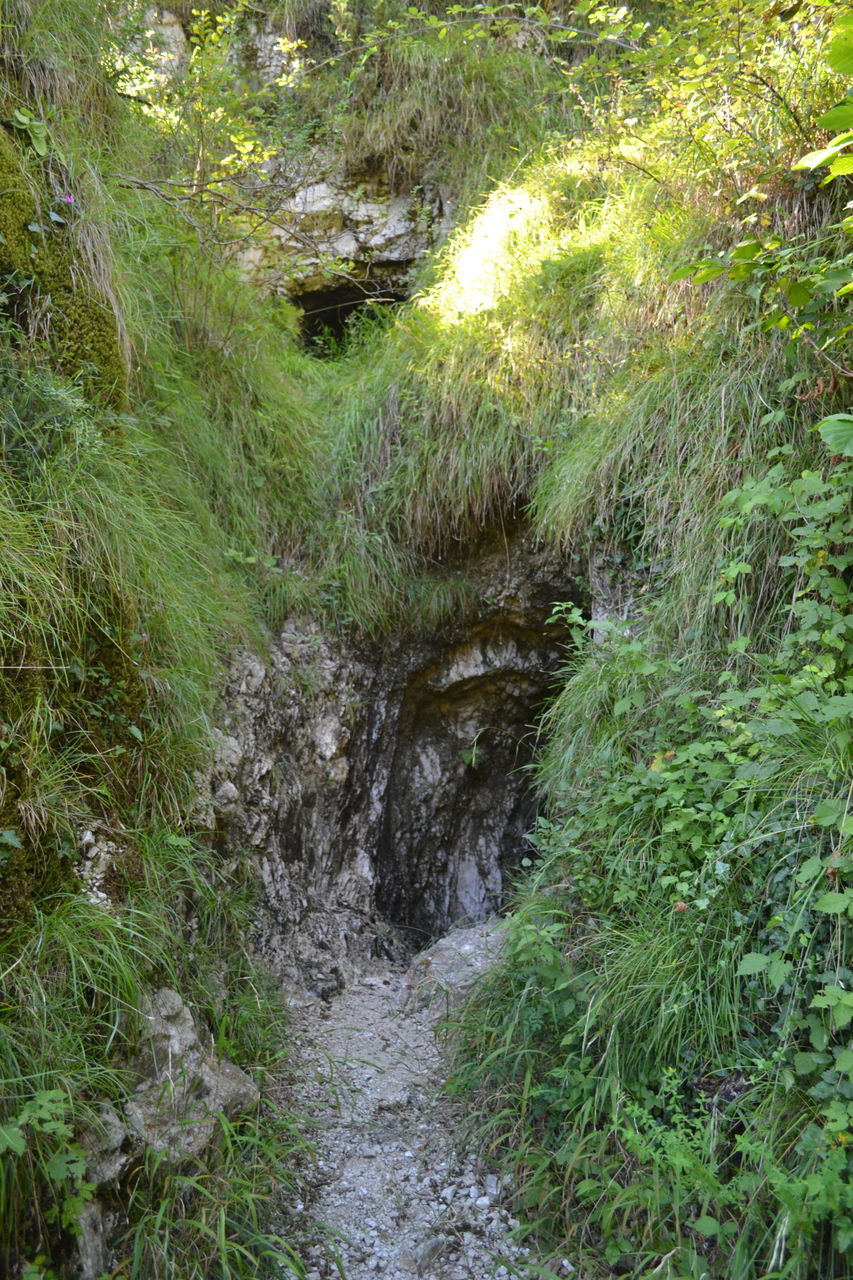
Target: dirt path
402 1200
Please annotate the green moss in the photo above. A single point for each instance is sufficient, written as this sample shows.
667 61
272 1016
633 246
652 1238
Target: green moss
27 878
87 344
17 209
42 294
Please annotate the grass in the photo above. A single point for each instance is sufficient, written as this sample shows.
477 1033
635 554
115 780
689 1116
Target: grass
549 365
77 973
399 98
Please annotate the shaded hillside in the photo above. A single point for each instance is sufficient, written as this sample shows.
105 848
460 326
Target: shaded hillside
626 342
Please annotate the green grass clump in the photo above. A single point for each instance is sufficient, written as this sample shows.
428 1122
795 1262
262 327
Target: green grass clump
427 105
432 96
664 1059
663 1062
79 973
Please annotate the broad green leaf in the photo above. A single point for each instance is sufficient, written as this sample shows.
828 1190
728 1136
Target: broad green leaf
746 251
810 868
11 1139
66 1165
832 997
706 1226
844 1061
828 813
836 433
805 1063
840 166
824 154
838 117
840 55
681 273
708 273
832 903
799 294
11 838
752 962
778 971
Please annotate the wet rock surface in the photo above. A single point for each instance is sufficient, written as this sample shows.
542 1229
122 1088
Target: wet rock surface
401 1198
380 789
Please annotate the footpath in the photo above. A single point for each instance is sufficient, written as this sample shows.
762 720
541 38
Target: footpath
401 1198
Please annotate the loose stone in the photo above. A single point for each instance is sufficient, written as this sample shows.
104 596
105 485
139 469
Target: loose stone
402 1209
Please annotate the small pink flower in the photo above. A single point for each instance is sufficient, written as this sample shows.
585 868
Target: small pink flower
67 198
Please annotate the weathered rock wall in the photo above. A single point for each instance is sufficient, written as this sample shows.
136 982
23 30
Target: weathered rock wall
382 789
337 234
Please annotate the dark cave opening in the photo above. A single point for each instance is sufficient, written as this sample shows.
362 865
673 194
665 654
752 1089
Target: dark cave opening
327 313
460 799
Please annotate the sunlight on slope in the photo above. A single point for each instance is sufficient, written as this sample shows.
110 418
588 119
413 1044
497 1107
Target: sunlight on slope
485 265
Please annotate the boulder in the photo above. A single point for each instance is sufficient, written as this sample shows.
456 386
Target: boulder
174 1109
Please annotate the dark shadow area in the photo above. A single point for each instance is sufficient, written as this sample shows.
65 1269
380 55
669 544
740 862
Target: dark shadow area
459 799
327 313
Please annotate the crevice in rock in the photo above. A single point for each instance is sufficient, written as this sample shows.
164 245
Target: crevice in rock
459 801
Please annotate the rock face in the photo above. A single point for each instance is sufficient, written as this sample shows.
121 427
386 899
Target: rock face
175 1109
182 1091
442 977
174 1112
350 229
337 233
379 788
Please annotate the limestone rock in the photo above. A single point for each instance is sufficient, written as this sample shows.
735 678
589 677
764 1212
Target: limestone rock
381 793
108 1146
615 592
174 1109
166 48
441 977
347 230
101 848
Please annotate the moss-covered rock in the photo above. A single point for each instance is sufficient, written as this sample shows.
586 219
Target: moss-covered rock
42 293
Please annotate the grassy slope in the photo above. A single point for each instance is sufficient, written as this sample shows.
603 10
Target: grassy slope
663 1063
549 361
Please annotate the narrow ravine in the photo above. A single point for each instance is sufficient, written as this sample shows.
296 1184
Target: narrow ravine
402 1199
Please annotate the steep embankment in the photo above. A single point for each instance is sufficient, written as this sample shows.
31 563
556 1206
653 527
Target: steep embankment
620 351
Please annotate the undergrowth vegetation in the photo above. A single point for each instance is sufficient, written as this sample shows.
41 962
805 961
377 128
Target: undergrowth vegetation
640 317
664 1061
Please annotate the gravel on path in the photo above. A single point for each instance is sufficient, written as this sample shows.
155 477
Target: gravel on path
401 1199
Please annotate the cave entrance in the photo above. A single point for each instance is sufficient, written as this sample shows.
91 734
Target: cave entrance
327 313
460 799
